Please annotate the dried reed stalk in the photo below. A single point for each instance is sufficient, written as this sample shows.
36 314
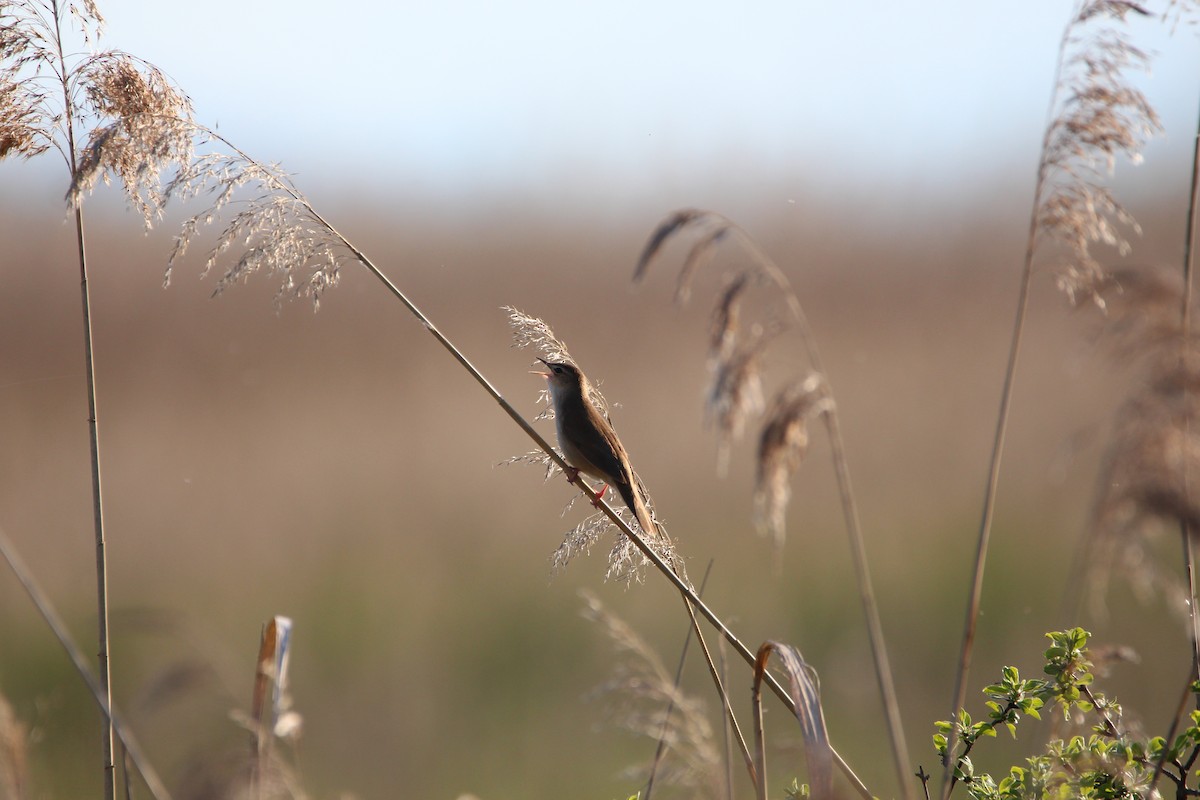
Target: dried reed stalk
734 365
1186 530
660 749
1093 117
47 99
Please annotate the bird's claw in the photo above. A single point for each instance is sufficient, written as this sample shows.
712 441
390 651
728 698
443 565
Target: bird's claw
600 495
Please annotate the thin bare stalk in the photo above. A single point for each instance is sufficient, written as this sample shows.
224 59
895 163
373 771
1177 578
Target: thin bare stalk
661 748
993 474
862 573
1176 721
1185 318
760 750
48 613
989 509
93 427
726 734
713 673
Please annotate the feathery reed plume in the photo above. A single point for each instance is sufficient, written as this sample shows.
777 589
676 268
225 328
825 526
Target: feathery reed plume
781 448
639 694
726 316
1097 115
31 122
150 142
1154 443
734 356
275 229
529 332
14 755
736 393
1094 116
144 129
735 349
626 563
21 131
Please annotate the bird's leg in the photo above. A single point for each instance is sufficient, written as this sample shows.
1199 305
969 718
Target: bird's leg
572 474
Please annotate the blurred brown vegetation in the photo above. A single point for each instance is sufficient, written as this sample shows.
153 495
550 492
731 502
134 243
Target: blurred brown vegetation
339 468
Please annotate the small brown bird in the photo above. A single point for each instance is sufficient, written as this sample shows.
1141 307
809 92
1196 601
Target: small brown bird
588 441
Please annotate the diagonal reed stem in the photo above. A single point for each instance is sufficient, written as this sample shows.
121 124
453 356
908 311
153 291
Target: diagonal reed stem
42 603
719 684
689 595
1006 393
680 584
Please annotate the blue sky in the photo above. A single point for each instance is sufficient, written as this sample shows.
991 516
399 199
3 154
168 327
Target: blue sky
458 96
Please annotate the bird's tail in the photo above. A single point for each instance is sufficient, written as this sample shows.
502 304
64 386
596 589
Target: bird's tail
634 495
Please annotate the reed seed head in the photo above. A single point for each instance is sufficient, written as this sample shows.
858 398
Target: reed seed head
781 449
1150 473
1098 116
145 129
637 697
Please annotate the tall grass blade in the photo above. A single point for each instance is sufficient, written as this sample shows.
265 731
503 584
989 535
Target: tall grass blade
806 706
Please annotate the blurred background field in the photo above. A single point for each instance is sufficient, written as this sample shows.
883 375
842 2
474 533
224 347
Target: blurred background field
339 468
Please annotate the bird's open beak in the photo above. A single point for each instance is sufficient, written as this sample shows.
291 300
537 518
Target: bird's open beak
545 375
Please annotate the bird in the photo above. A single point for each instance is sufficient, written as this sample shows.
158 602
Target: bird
588 441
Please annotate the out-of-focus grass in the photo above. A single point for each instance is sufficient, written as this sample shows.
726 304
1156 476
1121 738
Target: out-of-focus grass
338 468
